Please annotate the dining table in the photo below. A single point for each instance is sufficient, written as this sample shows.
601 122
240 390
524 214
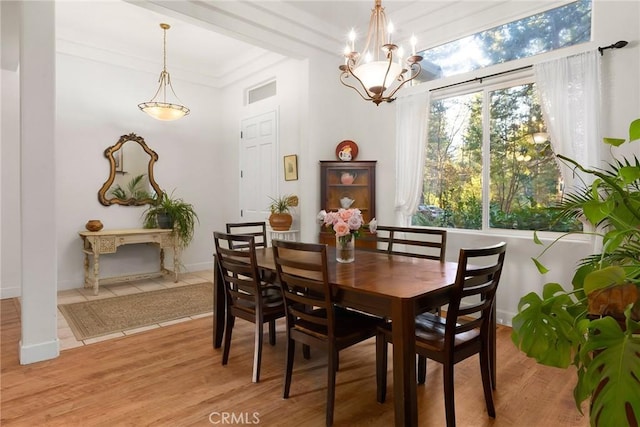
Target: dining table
393 286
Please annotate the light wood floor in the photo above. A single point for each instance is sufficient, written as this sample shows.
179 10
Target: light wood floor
171 376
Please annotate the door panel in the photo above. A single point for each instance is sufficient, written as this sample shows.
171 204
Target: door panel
258 160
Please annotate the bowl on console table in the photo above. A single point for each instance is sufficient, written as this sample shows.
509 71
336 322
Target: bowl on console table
94 225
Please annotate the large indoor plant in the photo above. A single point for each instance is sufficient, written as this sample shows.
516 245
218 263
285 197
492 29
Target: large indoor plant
595 326
168 211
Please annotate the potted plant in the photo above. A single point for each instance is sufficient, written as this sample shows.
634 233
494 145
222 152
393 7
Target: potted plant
596 325
167 211
280 218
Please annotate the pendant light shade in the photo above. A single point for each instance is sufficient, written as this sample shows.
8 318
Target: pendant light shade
158 107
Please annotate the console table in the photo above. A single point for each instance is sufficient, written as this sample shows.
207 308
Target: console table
107 241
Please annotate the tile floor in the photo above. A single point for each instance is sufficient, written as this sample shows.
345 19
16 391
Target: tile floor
65 335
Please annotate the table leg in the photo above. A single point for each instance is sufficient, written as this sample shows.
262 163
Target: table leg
176 262
218 305
96 272
86 269
404 363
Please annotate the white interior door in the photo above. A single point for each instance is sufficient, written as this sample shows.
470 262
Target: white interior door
258 165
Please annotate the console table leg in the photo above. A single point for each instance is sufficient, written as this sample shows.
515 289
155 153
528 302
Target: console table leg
176 262
96 272
86 270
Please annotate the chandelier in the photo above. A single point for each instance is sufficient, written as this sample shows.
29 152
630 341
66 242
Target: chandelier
158 107
378 72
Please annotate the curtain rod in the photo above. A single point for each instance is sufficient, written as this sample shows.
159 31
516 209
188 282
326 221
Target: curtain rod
617 45
479 79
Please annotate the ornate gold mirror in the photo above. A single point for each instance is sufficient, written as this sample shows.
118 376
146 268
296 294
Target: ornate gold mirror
130 181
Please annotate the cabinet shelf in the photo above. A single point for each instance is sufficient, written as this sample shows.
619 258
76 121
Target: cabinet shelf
362 190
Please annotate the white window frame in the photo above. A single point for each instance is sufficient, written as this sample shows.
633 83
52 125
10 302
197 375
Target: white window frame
516 78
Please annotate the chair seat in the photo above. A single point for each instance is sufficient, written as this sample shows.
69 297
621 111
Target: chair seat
430 332
352 323
271 299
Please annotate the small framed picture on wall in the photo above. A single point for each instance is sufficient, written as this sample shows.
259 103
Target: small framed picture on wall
291 167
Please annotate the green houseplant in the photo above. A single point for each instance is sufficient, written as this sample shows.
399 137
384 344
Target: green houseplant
596 325
280 218
168 211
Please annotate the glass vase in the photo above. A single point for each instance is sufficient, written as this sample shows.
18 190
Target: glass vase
345 248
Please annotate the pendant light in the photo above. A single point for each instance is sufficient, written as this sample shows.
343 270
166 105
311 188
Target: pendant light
158 107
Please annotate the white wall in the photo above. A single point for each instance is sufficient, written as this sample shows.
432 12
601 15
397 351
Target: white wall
96 104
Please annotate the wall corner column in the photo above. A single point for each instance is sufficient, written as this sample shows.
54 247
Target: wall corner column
39 339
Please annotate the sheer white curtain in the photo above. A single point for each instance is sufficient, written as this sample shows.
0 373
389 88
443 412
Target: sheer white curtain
411 132
569 91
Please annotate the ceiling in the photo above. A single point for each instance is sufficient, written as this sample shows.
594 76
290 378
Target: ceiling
205 49
217 42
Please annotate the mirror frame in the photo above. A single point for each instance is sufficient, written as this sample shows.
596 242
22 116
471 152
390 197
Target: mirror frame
108 153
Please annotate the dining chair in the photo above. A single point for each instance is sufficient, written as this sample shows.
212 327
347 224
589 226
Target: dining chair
464 332
256 229
246 295
312 317
429 243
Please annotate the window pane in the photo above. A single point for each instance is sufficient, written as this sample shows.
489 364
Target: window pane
524 177
554 29
452 189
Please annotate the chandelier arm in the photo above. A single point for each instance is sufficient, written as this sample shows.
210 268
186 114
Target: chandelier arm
160 81
352 74
370 33
367 98
171 87
407 80
380 29
386 74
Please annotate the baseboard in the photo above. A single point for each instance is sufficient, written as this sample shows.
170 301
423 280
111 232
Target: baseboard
13 292
39 352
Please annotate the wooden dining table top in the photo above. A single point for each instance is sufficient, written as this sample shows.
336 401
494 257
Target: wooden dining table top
378 273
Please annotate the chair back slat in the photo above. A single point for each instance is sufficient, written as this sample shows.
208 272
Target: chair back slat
304 279
256 229
425 243
239 269
474 290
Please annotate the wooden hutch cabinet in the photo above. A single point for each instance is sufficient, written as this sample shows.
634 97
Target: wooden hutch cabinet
344 183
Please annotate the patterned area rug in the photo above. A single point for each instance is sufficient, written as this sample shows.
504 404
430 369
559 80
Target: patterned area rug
104 316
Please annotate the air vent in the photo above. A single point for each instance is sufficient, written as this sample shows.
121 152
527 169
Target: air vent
261 92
